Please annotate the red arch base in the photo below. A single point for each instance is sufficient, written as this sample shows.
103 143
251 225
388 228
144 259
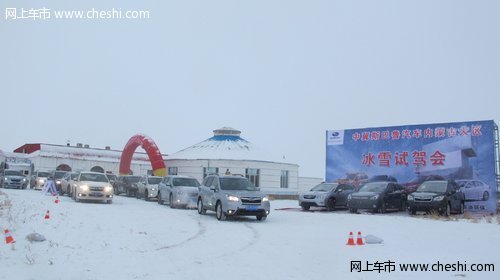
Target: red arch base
159 168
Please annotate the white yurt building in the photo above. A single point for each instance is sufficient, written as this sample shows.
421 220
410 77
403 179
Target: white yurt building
225 152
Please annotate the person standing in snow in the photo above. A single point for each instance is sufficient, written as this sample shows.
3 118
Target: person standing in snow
49 186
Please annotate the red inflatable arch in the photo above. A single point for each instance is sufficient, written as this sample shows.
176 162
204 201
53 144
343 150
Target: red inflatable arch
151 149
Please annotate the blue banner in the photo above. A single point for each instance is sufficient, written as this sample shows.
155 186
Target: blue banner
463 151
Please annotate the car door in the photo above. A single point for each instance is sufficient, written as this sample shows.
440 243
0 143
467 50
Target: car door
205 190
214 192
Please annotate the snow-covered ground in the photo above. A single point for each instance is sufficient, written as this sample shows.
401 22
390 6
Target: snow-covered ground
134 239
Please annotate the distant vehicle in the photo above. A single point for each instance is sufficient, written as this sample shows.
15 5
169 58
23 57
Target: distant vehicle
178 191
112 178
355 179
38 179
147 187
66 182
126 184
382 178
413 184
442 196
474 190
378 197
93 186
13 179
328 195
230 195
57 175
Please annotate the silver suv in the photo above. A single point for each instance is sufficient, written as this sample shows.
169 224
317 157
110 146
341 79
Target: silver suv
232 196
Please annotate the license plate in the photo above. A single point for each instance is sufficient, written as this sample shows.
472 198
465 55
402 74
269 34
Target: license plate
95 194
252 208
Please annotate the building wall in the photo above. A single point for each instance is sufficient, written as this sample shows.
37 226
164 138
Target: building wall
306 183
269 172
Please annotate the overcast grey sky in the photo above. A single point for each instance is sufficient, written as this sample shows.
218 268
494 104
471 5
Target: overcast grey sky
283 72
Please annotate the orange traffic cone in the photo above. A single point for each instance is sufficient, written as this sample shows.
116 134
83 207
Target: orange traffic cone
47 215
350 241
359 240
57 200
8 238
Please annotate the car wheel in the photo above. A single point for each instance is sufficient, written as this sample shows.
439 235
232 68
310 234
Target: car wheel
447 212
261 218
486 196
115 190
160 201
109 201
171 201
146 196
353 210
383 208
137 194
305 207
330 204
221 216
462 208
199 205
412 212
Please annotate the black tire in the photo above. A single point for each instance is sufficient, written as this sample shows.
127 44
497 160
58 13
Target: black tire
412 212
160 201
200 208
330 204
221 216
128 193
171 201
462 208
109 201
305 207
137 194
115 191
382 208
146 196
447 211
261 217
486 196
353 210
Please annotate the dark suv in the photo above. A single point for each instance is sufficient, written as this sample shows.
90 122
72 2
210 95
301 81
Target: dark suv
329 195
126 184
378 197
442 196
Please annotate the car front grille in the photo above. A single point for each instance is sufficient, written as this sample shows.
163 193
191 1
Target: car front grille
98 189
423 199
251 200
309 196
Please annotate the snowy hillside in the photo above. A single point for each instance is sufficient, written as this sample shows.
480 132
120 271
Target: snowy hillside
134 239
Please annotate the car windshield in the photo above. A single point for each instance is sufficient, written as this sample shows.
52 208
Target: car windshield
154 180
59 174
377 187
74 176
93 177
324 187
13 173
185 182
416 180
241 184
43 174
433 187
111 177
132 179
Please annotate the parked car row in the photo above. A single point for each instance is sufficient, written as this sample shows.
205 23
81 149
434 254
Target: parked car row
442 196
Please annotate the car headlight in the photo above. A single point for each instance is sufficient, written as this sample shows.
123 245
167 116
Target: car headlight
375 197
153 189
108 189
232 198
439 198
58 181
84 188
410 197
41 181
265 198
24 180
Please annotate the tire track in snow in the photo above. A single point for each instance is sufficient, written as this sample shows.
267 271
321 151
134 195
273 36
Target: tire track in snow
255 237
